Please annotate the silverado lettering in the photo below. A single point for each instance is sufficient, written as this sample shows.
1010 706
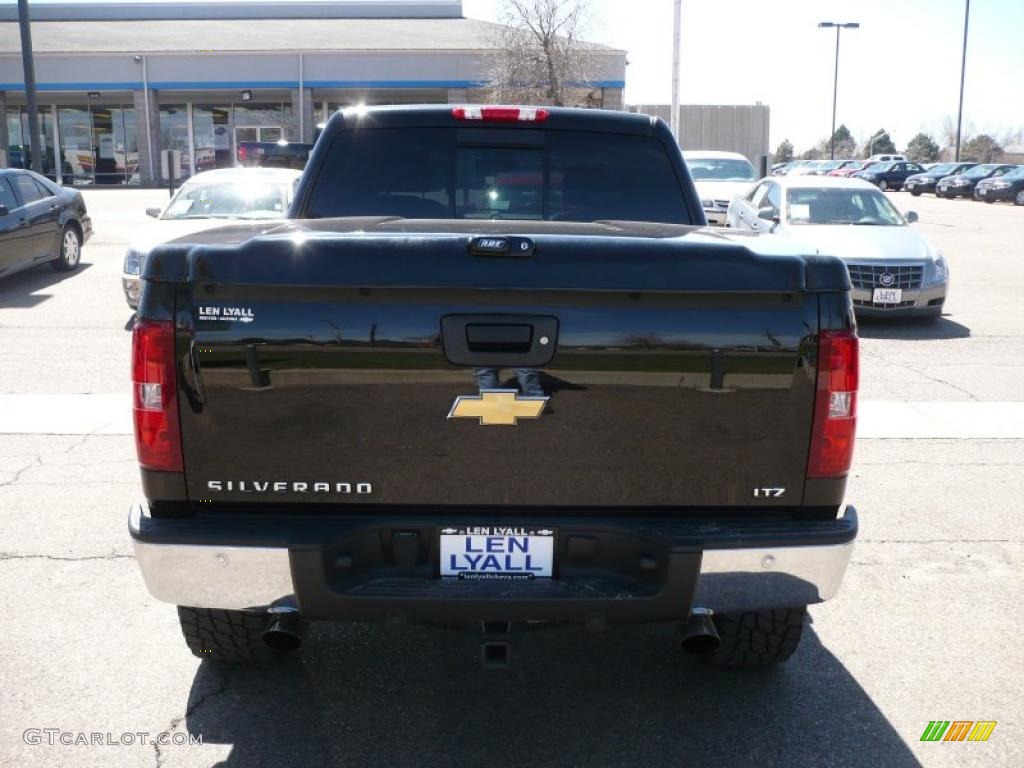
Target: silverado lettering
255 486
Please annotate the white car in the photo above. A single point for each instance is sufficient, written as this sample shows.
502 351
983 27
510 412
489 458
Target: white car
719 177
207 200
887 158
893 269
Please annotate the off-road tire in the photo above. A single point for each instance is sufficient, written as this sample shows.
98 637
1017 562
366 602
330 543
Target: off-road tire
218 635
758 638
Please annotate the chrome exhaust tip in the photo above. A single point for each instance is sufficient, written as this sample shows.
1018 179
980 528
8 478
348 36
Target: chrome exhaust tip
285 632
699 634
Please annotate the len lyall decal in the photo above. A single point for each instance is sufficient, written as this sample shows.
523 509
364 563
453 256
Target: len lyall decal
958 730
227 314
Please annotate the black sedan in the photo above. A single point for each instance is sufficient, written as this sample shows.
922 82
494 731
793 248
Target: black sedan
1009 186
888 175
40 222
962 184
925 182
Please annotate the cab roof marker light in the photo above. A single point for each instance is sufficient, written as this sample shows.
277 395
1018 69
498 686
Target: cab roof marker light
501 114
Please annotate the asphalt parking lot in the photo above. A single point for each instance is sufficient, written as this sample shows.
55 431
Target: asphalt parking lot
926 626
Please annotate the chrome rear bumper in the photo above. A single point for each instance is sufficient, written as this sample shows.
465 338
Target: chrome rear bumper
724 572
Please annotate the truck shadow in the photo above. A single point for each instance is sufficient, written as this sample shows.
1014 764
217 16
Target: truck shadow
21 290
911 329
374 695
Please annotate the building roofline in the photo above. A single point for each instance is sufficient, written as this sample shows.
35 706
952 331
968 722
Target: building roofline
251 9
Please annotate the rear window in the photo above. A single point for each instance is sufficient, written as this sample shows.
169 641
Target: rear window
442 173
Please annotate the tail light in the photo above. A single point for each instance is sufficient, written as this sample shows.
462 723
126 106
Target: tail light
835 405
243 153
501 114
155 396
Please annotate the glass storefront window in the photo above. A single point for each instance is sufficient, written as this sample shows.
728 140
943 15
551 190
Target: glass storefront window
218 130
114 144
212 127
98 144
17 131
126 144
77 156
256 115
174 134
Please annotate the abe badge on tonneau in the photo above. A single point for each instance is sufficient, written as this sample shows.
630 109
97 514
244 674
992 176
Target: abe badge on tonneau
477 552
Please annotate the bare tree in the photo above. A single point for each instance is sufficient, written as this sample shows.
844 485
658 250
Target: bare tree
1011 136
542 57
947 132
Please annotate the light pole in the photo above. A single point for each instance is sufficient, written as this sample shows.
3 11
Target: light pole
29 67
835 80
963 66
873 139
676 17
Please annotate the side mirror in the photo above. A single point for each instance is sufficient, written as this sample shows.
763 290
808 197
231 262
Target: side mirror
768 214
4 210
154 212
911 217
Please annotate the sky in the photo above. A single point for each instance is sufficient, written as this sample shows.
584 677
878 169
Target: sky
899 71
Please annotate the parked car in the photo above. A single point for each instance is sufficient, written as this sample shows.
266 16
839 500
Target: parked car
962 184
825 167
886 158
789 167
209 199
718 176
925 182
1009 186
888 175
893 269
805 167
320 436
40 223
849 168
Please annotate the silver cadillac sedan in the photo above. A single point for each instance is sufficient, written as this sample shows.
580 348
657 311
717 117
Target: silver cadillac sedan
893 269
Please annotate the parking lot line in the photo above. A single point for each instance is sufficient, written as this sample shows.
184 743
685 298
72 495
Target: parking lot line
66 414
885 419
877 419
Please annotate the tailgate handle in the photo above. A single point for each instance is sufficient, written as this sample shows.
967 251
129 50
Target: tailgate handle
490 337
520 341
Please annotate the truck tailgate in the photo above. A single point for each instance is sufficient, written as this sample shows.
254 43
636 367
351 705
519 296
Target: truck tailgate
326 367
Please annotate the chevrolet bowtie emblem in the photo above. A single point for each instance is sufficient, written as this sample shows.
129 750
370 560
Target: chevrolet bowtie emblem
497 406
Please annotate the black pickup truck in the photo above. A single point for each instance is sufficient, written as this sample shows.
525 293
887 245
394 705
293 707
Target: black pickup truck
493 371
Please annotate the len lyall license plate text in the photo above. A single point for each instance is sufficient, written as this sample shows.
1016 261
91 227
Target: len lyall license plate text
497 552
887 296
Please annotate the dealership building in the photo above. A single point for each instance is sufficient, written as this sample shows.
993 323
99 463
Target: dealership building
118 82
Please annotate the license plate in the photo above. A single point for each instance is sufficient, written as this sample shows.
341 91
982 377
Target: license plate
497 552
943 188
887 296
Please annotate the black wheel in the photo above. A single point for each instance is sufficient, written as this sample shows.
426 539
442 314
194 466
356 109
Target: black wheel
758 638
915 193
1018 199
225 635
883 185
70 249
